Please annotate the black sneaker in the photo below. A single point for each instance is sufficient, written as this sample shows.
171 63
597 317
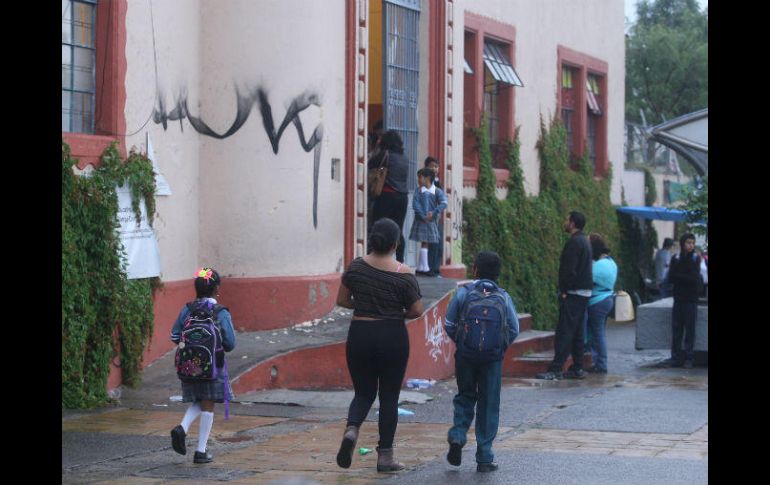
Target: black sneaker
574 374
549 376
178 440
204 457
455 455
487 467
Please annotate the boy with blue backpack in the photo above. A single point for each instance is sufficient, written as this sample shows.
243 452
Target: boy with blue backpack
482 321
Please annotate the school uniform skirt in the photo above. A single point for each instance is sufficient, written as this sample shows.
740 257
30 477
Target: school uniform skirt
207 390
424 231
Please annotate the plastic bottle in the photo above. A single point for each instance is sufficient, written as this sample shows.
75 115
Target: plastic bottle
419 383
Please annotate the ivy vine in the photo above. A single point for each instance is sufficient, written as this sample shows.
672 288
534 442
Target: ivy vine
526 231
98 301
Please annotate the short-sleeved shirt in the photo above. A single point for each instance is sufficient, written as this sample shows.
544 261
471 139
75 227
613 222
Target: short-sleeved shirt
378 293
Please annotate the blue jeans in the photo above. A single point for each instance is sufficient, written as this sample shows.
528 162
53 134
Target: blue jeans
596 322
478 387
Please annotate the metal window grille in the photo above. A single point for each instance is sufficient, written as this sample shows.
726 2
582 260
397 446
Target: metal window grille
78 67
402 66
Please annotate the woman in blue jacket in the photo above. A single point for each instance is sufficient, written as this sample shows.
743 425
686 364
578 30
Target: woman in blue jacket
605 273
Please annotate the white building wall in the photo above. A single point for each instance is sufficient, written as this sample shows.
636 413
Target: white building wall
174 41
237 205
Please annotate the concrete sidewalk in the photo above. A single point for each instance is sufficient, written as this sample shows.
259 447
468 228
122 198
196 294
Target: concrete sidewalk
637 425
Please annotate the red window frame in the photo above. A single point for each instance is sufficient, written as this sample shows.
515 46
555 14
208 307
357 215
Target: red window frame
477 30
109 115
584 65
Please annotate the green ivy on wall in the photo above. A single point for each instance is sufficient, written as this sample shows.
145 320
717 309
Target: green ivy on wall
527 231
98 301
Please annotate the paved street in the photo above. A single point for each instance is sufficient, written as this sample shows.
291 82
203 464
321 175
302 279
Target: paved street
637 425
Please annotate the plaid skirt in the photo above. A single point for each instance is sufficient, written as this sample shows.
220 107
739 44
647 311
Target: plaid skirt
424 231
207 391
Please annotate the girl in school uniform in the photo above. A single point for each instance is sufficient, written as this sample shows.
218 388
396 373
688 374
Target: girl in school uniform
428 202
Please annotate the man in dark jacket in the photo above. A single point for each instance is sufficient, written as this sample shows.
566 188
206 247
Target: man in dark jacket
575 284
684 273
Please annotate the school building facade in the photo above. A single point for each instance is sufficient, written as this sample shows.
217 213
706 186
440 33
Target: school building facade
258 113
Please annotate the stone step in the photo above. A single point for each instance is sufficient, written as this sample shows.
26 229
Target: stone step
535 363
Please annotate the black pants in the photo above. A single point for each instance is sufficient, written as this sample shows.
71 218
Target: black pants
683 319
569 332
393 206
377 352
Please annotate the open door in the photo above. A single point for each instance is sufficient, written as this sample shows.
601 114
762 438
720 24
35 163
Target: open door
400 77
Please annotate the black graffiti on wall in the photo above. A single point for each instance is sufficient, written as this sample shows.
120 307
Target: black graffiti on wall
245 103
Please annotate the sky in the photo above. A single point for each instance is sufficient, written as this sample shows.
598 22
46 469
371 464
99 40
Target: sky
630 10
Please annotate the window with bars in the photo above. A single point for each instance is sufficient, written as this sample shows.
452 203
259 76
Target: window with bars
568 105
78 46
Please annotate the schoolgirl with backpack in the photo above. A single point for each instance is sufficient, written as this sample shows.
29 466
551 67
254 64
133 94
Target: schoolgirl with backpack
203 332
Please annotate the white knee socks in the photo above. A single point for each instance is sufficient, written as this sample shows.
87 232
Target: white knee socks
207 420
191 415
423 264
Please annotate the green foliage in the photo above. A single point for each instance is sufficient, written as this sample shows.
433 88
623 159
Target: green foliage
650 191
527 232
667 60
697 205
97 298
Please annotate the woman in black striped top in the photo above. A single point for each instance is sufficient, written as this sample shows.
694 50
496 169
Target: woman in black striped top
382 292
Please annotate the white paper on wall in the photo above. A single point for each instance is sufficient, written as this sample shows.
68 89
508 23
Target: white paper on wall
143 255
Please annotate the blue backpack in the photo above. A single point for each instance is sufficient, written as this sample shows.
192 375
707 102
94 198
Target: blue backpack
482 330
200 355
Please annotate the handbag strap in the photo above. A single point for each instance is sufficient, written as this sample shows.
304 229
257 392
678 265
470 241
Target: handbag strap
384 159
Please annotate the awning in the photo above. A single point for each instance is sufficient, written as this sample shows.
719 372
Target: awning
593 104
499 66
688 136
655 213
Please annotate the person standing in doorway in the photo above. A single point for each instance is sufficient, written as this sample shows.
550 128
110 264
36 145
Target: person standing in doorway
436 251
575 285
662 261
394 200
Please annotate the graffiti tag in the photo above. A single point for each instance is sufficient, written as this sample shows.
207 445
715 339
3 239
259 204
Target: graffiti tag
436 338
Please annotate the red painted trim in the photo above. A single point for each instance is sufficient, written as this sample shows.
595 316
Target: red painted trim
485 28
457 271
350 130
437 95
585 64
111 66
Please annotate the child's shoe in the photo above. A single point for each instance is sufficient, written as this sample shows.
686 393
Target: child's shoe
178 440
203 457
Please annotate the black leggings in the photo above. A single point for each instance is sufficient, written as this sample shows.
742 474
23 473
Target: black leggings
377 352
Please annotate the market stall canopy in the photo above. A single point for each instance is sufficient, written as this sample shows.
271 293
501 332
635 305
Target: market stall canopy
656 213
688 136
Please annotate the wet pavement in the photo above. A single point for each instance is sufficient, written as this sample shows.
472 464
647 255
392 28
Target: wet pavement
638 425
